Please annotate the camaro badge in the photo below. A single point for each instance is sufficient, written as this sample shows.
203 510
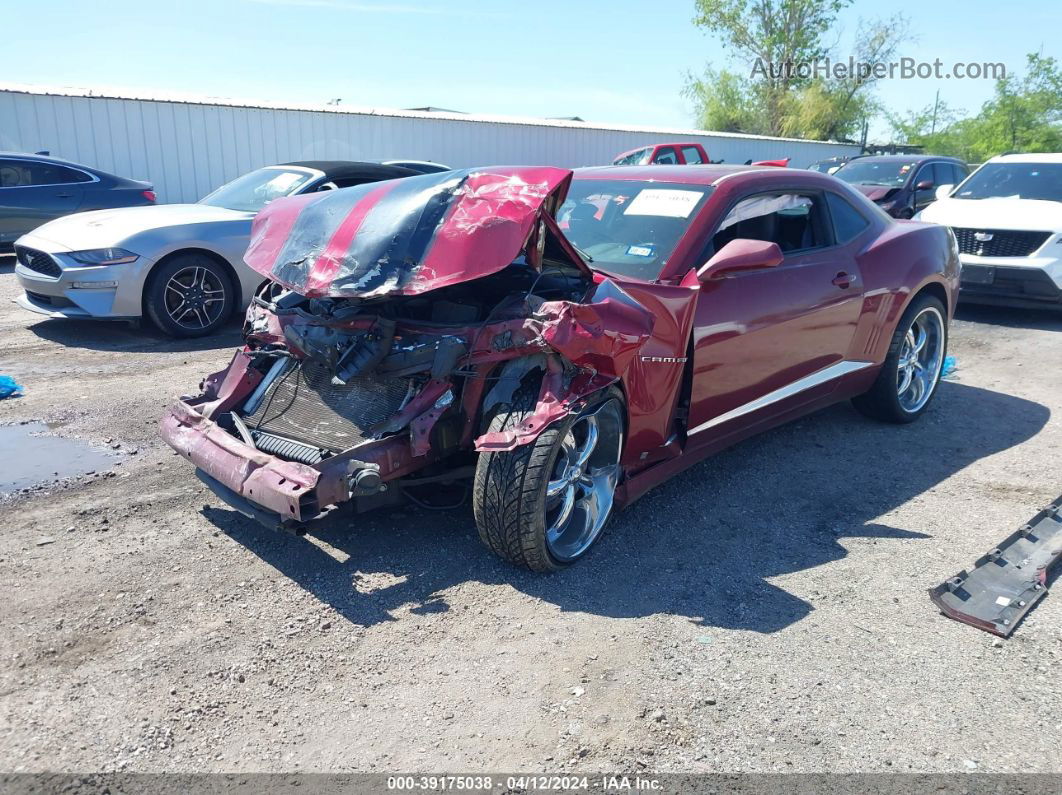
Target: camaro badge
667 359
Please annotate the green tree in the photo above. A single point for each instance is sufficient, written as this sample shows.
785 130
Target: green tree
1024 114
773 38
726 102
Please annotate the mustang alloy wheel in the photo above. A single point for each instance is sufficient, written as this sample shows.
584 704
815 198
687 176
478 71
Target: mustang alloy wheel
544 504
911 372
194 298
189 296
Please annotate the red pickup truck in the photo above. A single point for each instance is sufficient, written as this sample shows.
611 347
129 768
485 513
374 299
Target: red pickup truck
663 154
674 154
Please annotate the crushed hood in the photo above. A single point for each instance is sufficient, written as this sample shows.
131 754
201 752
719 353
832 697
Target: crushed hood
103 228
407 236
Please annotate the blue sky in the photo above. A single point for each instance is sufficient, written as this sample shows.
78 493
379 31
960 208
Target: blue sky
619 61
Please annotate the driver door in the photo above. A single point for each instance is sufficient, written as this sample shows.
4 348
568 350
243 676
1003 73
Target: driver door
765 341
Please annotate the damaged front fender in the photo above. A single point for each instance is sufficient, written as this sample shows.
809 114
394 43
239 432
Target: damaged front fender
556 400
596 343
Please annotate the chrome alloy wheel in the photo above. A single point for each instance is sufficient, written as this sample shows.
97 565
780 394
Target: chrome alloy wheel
921 359
194 297
582 485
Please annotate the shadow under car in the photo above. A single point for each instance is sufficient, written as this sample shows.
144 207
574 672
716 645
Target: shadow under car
703 544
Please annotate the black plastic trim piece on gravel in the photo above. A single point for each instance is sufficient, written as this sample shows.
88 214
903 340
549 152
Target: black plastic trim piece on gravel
1005 584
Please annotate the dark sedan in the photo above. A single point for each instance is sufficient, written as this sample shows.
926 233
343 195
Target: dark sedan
902 185
36 188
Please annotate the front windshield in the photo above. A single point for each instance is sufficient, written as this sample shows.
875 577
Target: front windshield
824 167
884 173
628 227
1014 181
253 191
639 157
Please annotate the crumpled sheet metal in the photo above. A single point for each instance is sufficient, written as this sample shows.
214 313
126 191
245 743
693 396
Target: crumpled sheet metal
271 482
403 237
555 401
600 338
604 334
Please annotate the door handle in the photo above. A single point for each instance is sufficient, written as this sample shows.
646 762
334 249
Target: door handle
63 195
843 280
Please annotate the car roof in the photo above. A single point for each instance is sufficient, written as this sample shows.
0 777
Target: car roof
905 158
49 159
704 174
1033 157
353 169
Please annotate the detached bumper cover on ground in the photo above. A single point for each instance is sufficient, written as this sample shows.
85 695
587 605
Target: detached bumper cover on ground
1005 584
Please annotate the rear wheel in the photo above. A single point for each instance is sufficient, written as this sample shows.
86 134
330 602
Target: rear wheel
544 504
190 295
909 377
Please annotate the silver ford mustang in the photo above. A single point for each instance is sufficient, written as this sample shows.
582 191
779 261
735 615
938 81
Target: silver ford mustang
181 265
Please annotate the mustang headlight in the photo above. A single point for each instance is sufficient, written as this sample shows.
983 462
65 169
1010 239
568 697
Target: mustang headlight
104 256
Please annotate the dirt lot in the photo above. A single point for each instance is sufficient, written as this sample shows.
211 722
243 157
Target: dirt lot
765 611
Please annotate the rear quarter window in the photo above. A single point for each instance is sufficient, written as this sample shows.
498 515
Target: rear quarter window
848 223
51 174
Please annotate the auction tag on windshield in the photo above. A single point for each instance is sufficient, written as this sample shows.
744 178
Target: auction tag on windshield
663 202
639 251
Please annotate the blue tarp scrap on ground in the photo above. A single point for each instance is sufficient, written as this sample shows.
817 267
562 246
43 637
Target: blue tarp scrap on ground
8 387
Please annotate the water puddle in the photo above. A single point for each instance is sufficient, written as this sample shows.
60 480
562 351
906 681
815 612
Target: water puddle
30 458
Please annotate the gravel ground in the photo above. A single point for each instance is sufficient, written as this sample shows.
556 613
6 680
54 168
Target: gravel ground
764 611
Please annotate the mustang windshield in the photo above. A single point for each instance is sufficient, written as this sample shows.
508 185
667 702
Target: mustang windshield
884 173
626 227
1014 181
251 192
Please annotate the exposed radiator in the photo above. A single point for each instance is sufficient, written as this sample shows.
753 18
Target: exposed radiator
288 449
303 405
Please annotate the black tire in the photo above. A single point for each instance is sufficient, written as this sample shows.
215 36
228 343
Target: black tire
211 309
509 491
882 400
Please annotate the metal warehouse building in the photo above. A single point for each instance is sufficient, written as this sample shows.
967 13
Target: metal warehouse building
188 146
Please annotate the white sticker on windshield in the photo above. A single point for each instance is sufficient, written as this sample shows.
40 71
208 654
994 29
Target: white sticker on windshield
663 202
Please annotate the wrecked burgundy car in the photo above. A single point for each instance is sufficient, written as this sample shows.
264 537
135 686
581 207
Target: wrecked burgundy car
556 347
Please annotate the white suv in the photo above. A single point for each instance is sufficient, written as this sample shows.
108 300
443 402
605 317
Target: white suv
1007 217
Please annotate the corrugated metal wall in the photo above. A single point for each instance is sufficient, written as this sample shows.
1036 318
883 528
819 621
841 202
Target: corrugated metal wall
188 149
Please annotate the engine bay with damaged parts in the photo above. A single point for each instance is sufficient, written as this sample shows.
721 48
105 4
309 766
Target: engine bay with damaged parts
367 384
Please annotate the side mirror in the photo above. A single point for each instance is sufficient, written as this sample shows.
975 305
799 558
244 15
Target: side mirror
943 191
737 256
926 184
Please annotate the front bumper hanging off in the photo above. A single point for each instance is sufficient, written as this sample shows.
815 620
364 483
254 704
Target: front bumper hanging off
1005 584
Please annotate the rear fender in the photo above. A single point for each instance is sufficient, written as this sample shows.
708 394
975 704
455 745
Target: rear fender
903 262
